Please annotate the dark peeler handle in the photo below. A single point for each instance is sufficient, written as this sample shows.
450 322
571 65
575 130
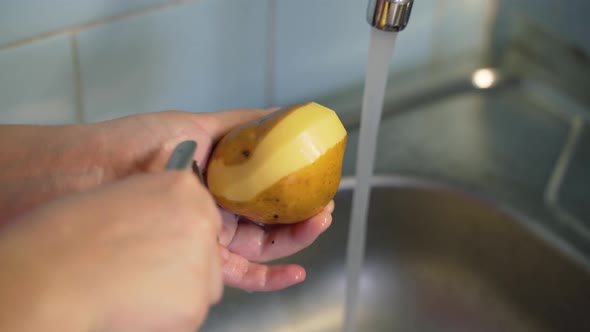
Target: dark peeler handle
182 158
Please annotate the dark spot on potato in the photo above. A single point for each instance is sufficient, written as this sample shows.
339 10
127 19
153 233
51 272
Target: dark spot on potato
246 153
277 200
273 242
276 216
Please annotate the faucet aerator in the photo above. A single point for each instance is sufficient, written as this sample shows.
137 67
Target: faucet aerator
389 15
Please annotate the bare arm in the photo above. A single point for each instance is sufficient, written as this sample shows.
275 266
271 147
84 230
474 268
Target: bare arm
137 255
39 163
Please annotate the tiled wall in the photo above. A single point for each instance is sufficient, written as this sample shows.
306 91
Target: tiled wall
565 19
88 60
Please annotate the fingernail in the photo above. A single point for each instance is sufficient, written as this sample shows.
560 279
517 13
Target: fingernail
327 221
300 276
330 207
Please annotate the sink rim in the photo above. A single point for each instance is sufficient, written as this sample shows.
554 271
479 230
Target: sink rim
348 183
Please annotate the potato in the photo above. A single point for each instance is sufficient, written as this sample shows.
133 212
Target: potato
282 168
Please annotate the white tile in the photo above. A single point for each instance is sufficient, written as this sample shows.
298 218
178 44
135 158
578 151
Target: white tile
204 56
36 83
28 18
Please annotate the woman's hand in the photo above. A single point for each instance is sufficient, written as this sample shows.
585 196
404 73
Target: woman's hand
42 163
79 157
138 255
244 245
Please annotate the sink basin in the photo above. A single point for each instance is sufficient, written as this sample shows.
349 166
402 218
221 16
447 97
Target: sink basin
437 259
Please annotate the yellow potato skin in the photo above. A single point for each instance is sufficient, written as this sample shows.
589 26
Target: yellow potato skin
293 197
297 196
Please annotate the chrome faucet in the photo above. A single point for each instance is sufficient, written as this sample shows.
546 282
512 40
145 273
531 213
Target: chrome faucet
389 15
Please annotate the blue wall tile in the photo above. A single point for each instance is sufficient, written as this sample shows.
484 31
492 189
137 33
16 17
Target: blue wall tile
204 56
460 28
28 18
322 46
414 45
36 83
564 19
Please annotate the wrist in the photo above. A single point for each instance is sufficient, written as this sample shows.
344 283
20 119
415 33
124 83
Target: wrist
82 160
47 162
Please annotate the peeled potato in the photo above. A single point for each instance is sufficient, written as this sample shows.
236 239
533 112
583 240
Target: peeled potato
282 168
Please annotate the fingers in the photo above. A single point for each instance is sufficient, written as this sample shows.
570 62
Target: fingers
195 203
238 272
229 228
330 207
204 222
190 193
257 244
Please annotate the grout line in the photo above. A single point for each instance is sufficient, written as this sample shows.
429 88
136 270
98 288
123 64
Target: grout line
84 26
492 12
77 72
271 53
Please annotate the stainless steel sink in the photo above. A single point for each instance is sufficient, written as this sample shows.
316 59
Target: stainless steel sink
437 260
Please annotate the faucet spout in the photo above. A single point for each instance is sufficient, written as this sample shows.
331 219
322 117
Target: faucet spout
389 15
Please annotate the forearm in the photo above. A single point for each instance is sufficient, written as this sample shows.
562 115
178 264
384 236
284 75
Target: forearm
39 163
26 307
30 299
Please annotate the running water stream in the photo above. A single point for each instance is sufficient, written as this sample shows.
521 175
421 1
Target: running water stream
380 51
